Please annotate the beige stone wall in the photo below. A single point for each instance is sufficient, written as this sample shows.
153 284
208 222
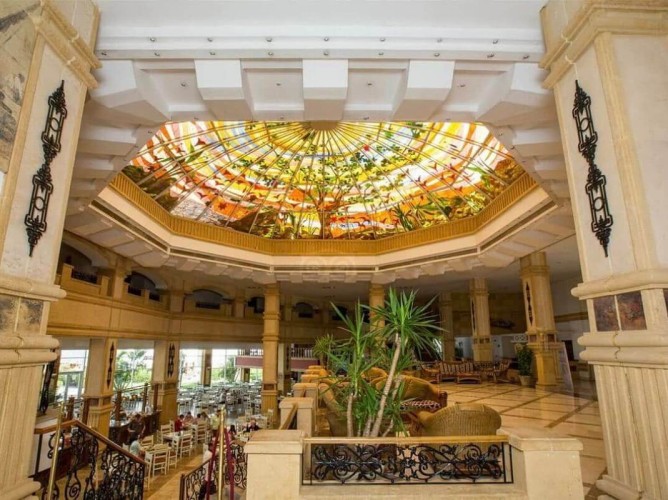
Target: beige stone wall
503 307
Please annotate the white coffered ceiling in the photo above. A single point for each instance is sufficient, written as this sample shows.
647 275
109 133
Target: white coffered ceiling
448 60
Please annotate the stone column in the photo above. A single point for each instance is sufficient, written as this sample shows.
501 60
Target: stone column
270 337
615 50
541 329
165 377
239 306
448 333
100 382
482 345
376 299
43 49
116 276
205 376
283 376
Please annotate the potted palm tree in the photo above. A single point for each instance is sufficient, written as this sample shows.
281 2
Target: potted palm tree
524 364
400 328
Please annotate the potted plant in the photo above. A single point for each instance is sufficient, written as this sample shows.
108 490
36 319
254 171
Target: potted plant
524 362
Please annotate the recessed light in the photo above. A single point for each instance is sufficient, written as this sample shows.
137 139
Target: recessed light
184 84
270 53
369 84
325 52
526 56
382 39
461 85
490 56
269 39
104 53
278 84
209 39
495 41
439 40
437 54
152 39
326 39
156 54
212 53
381 53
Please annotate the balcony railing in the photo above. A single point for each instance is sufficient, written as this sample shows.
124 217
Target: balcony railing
81 276
88 465
421 460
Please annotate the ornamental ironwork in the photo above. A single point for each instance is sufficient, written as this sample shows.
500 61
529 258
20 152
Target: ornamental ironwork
170 360
410 463
110 365
527 289
193 484
601 219
42 185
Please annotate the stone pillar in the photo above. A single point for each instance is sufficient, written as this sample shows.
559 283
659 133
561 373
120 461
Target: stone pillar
270 337
482 345
205 376
541 330
282 375
100 382
376 299
448 333
239 306
615 50
116 276
43 48
165 377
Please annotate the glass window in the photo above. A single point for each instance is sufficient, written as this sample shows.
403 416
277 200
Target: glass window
223 368
134 367
191 367
71 373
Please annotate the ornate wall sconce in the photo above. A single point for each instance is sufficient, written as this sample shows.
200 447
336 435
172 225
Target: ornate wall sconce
42 185
601 220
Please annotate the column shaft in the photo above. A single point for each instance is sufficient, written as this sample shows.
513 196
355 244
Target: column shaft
447 324
100 382
482 345
270 337
165 377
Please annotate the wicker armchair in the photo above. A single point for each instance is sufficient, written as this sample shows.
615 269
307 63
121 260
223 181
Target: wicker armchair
464 419
418 389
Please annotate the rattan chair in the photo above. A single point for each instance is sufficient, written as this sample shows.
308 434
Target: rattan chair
463 419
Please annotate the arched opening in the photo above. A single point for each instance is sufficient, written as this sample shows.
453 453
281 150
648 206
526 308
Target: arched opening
209 299
82 266
138 282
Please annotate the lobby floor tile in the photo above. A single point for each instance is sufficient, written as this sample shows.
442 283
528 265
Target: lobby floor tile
581 418
549 416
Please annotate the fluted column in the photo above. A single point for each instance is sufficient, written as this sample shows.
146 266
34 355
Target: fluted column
482 345
446 320
165 377
270 338
44 49
615 51
100 382
541 329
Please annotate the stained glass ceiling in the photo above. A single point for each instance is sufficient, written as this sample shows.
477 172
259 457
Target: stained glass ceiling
327 180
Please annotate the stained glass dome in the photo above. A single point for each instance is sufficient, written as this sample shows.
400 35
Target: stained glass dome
329 180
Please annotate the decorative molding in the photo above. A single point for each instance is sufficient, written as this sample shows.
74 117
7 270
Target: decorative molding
42 185
601 219
565 318
110 365
170 360
527 290
26 288
647 279
622 17
67 44
206 232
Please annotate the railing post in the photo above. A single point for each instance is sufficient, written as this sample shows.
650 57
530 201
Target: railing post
144 399
84 410
69 409
155 396
117 406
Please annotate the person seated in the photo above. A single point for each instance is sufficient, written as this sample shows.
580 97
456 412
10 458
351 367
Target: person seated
203 418
189 419
136 448
232 432
252 426
136 427
178 424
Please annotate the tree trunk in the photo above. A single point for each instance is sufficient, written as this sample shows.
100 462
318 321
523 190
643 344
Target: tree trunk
386 390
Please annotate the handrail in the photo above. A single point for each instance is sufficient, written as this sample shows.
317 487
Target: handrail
499 438
52 428
291 416
110 443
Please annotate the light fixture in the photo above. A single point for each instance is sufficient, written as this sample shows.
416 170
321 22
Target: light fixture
326 39
209 39
437 54
495 41
269 39
270 54
490 56
156 54
212 53
325 52
382 39
184 84
152 39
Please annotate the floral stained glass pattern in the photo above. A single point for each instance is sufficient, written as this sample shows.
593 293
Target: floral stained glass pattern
330 180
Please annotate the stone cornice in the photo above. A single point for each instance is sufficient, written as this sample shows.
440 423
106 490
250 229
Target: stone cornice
629 282
22 287
627 17
66 42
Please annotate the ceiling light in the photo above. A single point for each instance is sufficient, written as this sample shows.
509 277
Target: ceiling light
152 39
489 56
184 84
495 41
156 54
439 40
212 53
270 53
382 39
437 54
269 39
461 85
326 39
325 53
209 39
104 53
381 53
526 56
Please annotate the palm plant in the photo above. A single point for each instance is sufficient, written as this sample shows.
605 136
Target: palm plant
399 329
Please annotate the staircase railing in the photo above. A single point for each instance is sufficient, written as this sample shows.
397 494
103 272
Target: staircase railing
87 465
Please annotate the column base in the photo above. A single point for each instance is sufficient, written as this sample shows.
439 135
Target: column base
547 387
270 401
617 490
99 414
21 491
482 351
167 402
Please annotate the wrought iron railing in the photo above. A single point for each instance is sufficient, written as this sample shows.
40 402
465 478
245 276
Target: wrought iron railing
432 460
192 483
81 276
89 466
302 352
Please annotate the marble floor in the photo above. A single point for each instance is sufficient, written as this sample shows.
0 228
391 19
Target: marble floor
572 415
575 415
